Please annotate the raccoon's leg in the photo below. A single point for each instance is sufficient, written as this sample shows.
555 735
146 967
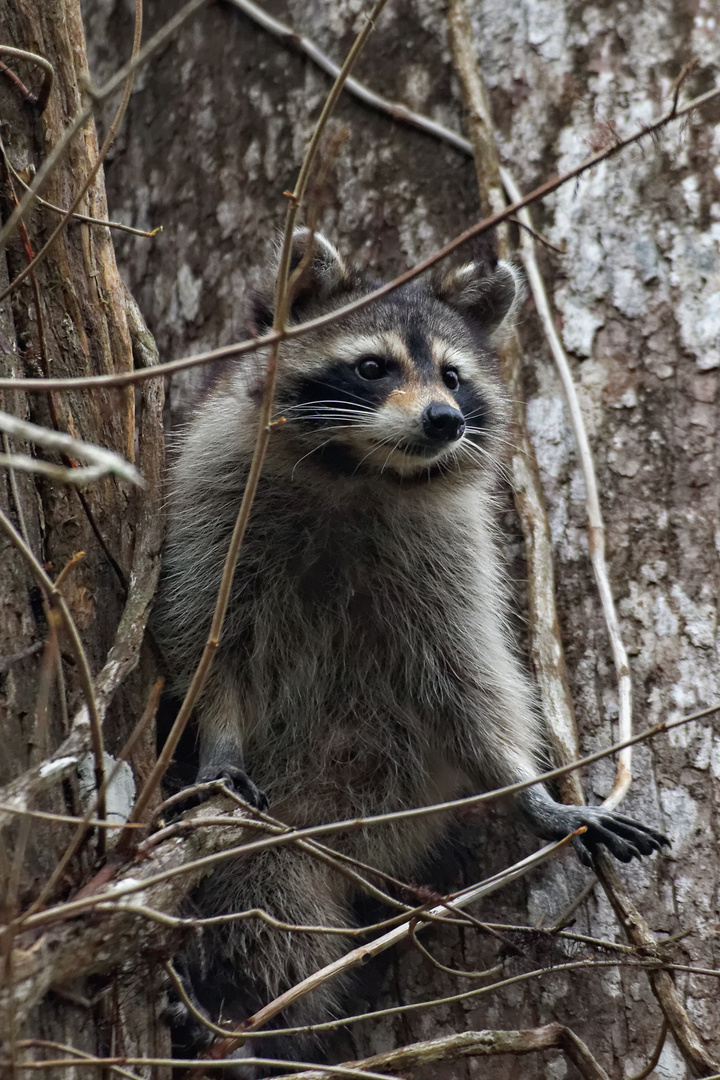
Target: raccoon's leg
623 836
507 748
221 739
237 967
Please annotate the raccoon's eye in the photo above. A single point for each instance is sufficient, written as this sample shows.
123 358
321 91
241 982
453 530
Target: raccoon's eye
451 378
371 367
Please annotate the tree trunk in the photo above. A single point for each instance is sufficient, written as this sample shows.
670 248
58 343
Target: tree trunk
70 317
213 138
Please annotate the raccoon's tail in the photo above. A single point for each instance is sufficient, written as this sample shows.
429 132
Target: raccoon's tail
234 968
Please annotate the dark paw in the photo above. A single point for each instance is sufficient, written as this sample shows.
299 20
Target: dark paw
190 1037
239 783
624 837
228 777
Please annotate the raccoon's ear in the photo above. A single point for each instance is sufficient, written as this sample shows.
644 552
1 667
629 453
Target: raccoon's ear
491 297
323 275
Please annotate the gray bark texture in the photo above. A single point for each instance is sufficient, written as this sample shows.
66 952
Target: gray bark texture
215 131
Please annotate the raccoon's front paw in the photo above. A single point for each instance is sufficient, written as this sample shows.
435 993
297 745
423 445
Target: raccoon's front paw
231 777
239 782
624 837
190 1037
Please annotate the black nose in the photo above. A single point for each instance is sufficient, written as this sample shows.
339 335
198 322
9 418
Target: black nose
442 422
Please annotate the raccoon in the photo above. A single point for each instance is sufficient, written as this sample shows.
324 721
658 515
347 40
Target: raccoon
365 664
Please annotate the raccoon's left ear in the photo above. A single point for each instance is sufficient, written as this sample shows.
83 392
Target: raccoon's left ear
323 275
492 298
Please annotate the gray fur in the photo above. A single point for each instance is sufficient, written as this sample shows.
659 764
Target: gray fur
365 664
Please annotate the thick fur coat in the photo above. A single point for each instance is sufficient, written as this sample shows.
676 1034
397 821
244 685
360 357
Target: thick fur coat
365 664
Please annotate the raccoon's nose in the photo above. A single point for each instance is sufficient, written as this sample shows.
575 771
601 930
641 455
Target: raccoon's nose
442 423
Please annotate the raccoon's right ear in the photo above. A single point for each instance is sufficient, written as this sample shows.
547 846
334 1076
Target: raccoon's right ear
323 275
491 297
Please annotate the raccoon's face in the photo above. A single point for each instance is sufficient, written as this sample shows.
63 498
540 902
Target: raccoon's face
407 387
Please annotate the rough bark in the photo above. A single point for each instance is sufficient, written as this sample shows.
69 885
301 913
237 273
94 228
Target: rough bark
214 134
79 319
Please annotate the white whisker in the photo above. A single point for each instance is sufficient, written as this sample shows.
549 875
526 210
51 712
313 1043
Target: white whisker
318 447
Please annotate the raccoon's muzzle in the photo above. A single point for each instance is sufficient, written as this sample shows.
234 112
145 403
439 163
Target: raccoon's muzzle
442 423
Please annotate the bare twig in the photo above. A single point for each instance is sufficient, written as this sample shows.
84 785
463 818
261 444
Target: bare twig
596 527
342 864
362 954
363 93
459 973
63 819
546 647
189 1004
663 987
188 1063
655 1056
661 981
253 344
48 1044
265 413
83 946
224 852
686 70
56 600
102 153
40 99
122 658
479 1044
6 662
482 991
98 95
119 225
47 889
77 478
104 461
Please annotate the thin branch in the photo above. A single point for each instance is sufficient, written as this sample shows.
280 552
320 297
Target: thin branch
63 819
189 1063
655 1056
460 973
6 662
207 862
40 99
305 45
476 992
219 787
97 96
57 601
140 727
143 577
253 344
596 527
479 1044
49 1044
263 434
102 153
190 1005
78 478
489 172
546 648
119 225
107 461
639 933
342 865
361 955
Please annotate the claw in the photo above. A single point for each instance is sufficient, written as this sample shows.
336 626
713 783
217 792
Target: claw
242 785
232 778
624 838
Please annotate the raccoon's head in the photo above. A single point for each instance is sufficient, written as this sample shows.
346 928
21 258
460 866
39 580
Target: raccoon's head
409 386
